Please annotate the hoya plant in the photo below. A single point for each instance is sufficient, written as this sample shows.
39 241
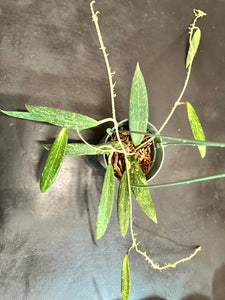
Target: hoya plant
129 151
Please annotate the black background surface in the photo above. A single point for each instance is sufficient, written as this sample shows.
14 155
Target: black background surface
49 55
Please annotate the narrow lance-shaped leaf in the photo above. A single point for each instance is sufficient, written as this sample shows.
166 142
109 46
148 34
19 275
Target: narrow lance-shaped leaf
193 47
123 204
54 160
142 195
125 279
23 115
83 149
138 106
196 128
58 117
106 202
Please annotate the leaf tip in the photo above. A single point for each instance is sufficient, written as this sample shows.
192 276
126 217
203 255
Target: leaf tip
43 188
99 234
155 219
3 111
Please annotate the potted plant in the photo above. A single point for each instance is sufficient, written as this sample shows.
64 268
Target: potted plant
132 151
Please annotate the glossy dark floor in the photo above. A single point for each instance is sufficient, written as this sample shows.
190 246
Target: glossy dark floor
49 55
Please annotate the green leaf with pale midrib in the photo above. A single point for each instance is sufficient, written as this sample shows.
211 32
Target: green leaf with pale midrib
58 117
125 279
196 128
54 160
193 47
123 204
106 202
83 149
138 106
142 195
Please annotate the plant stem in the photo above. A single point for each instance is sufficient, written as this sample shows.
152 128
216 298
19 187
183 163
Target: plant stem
101 148
182 140
105 120
109 71
187 181
134 239
192 27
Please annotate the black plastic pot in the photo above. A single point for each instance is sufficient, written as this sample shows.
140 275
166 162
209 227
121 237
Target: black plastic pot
157 151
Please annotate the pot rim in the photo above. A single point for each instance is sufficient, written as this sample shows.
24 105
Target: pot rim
158 151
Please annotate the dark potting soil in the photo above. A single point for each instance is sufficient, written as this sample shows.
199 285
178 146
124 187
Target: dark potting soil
142 155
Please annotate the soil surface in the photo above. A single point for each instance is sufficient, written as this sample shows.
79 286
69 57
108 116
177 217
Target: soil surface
142 155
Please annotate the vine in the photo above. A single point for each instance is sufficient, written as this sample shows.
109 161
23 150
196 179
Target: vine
112 84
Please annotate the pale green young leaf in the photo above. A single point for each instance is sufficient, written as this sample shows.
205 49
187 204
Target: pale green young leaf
123 205
106 202
58 117
196 128
54 160
193 47
142 195
83 149
125 279
138 106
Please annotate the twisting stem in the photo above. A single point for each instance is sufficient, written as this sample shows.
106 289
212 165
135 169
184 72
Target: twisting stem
105 121
134 239
192 28
102 148
109 71
198 14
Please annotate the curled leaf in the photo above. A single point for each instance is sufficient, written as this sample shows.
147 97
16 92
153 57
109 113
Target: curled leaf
196 128
142 195
54 160
125 279
106 202
193 47
138 106
123 204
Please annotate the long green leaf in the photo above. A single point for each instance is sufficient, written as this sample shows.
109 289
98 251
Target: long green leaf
125 279
138 106
196 128
62 118
193 47
106 202
83 149
142 195
54 160
22 115
123 204
58 117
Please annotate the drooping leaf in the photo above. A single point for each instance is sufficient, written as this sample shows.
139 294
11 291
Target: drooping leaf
83 149
125 279
54 160
196 128
123 205
193 47
106 202
142 195
138 106
58 117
